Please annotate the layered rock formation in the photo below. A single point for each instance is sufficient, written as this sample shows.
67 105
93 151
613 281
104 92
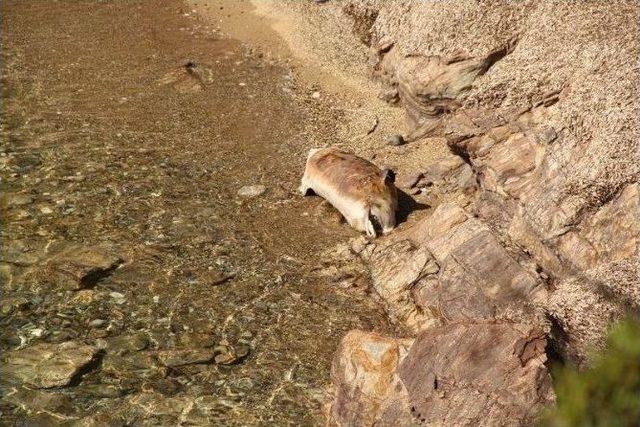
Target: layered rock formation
540 101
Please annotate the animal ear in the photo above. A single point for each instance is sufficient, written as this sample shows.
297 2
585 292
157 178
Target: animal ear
388 176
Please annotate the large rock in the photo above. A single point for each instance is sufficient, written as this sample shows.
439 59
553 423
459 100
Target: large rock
450 267
367 389
458 374
477 374
47 365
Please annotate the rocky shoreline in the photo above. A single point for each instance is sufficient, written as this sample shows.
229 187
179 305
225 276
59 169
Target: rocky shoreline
147 276
543 247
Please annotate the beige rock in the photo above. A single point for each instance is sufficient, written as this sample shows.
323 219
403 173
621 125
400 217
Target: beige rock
450 267
477 375
457 374
367 389
47 365
395 269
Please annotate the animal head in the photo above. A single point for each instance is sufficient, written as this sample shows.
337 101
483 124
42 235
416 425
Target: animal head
383 205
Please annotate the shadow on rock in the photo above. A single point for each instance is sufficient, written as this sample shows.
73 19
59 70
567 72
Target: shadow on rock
406 205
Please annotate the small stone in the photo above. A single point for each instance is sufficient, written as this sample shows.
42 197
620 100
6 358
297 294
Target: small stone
19 200
79 267
175 358
395 140
225 358
227 355
129 343
315 95
10 304
37 332
46 210
252 190
241 351
117 296
389 95
244 384
96 323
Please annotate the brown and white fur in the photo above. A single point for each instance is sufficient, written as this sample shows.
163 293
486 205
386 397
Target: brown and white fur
365 195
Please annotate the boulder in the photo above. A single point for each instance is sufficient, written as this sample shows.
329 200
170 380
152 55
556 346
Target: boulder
366 387
477 375
450 267
463 374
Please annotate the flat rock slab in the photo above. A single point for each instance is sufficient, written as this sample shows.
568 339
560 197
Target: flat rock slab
477 374
174 358
78 267
47 365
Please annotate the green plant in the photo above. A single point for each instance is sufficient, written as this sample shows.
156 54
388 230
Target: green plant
607 393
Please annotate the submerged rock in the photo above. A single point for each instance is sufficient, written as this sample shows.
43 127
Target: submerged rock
77 267
174 358
47 365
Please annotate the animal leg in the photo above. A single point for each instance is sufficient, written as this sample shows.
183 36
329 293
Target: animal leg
304 186
369 228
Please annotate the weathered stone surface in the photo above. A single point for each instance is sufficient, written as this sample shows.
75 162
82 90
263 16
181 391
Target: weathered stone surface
39 402
77 267
457 374
395 269
477 374
450 267
366 387
449 174
252 190
47 365
228 355
142 365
